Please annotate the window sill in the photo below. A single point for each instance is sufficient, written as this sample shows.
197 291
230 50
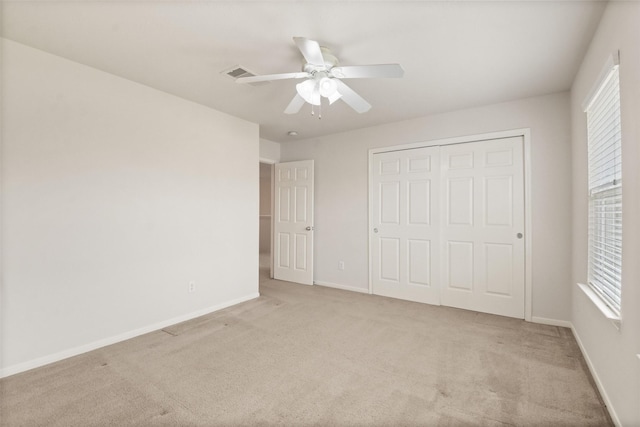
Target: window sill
600 305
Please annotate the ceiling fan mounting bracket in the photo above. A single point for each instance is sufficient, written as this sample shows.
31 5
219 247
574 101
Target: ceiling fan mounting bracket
329 59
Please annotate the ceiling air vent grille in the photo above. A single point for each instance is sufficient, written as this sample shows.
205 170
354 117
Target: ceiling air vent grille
238 71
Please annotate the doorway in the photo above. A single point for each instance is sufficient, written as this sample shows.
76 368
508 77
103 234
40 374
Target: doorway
286 221
266 209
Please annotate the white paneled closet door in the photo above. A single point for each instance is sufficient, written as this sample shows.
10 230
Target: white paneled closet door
483 225
404 236
448 223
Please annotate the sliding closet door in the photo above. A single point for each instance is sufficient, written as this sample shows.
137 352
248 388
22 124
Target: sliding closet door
482 226
448 223
404 232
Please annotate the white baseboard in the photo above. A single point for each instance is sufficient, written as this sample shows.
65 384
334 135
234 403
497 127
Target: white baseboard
552 322
596 378
343 287
45 360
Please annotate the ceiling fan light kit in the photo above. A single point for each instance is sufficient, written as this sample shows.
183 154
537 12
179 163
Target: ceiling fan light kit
323 78
311 90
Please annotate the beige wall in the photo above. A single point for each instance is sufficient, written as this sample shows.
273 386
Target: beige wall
265 208
341 190
611 352
115 197
270 153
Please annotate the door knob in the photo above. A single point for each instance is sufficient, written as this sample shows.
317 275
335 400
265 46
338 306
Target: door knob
519 235
309 228
375 230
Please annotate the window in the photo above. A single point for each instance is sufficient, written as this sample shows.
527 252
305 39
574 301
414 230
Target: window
605 190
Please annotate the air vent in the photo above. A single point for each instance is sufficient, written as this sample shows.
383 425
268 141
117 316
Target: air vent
239 71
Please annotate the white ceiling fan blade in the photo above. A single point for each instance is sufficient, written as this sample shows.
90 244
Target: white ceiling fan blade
295 105
366 71
270 77
310 50
334 97
352 99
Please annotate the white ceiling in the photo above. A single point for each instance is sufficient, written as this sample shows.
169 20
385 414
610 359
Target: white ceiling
456 54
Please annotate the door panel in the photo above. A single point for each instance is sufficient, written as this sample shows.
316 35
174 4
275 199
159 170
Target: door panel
419 202
284 204
294 206
390 202
499 262
486 272
405 185
419 262
282 260
459 198
301 204
301 252
460 265
498 203
390 259
460 161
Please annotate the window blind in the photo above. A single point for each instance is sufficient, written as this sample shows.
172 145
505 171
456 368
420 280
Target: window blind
605 192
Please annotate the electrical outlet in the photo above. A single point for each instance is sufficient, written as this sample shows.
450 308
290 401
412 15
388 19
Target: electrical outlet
192 286
340 265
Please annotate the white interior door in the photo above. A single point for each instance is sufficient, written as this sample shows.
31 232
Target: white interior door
482 226
404 235
293 223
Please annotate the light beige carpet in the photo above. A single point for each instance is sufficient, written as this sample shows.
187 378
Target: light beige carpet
303 355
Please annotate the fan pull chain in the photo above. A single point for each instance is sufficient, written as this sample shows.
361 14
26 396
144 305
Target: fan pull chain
319 111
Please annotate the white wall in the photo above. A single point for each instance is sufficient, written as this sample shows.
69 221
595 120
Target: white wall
612 353
269 151
115 196
341 190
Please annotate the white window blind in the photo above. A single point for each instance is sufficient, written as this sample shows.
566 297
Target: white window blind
605 191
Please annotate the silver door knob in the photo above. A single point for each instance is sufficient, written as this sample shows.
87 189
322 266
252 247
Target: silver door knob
375 230
519 235
309 228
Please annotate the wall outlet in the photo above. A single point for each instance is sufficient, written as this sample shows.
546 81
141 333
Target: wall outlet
340 265
192 286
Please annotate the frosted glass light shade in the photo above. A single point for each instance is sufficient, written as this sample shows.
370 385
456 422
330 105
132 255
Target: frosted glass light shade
309 92
327 87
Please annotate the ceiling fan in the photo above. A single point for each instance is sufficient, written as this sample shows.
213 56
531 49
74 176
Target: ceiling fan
323 78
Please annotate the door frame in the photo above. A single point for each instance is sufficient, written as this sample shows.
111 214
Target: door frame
525 133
